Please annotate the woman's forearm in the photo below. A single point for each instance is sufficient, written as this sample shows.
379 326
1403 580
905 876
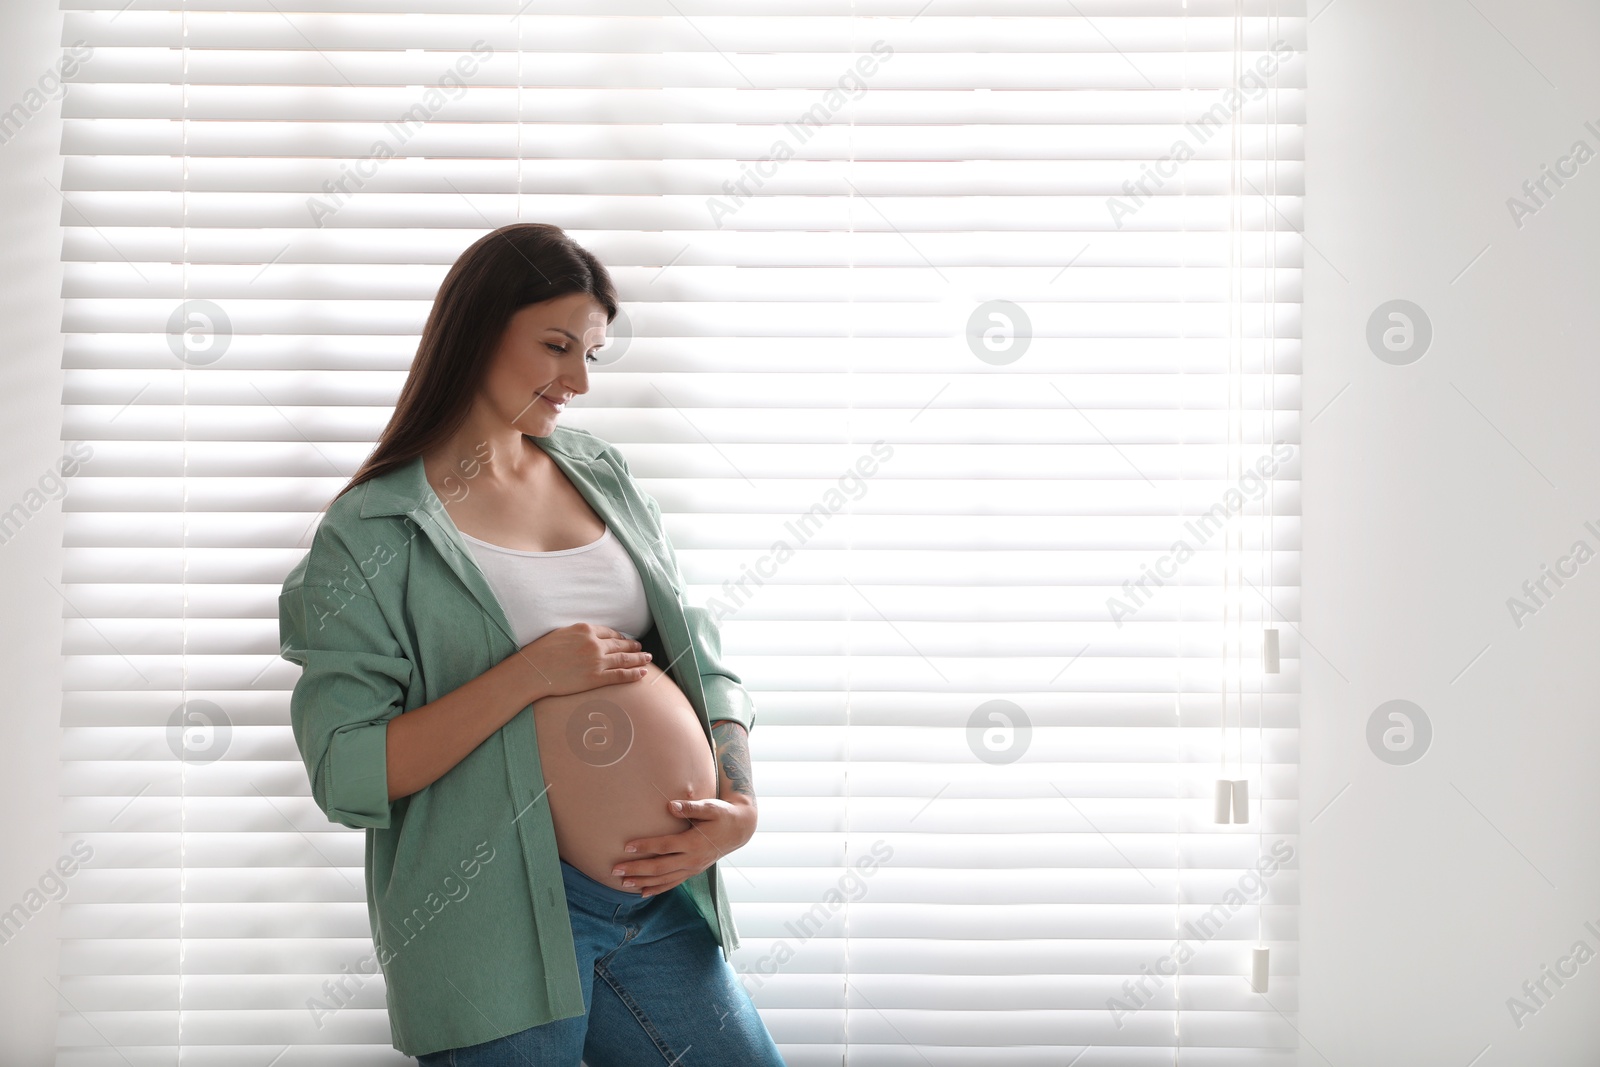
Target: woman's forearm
732 747
425 742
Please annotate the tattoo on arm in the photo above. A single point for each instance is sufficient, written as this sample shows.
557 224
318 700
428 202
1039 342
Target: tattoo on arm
733 755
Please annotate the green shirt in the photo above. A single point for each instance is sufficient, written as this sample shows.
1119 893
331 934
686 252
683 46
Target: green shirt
388 611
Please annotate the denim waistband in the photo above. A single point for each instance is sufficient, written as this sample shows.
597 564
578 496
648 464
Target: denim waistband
597 893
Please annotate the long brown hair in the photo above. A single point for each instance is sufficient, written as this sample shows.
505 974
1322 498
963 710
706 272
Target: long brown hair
502 272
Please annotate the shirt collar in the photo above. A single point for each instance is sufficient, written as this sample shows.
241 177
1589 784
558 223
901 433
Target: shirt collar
403 489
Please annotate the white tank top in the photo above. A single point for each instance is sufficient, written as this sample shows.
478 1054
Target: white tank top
543 591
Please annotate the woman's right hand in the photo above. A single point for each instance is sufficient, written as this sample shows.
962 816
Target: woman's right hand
571 659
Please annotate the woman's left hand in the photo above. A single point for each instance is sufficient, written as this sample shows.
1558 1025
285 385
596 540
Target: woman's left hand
720 827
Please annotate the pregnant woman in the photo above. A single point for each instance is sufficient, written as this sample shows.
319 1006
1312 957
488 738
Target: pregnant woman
504 686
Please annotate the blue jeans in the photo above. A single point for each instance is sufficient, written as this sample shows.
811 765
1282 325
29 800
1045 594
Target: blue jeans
655 990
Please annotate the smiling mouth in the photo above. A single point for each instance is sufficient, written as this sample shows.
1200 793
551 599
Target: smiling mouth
552 403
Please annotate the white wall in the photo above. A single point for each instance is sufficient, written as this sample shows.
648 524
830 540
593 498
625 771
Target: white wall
1432 891
30 563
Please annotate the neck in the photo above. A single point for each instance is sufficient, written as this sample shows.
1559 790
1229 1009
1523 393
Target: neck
479 454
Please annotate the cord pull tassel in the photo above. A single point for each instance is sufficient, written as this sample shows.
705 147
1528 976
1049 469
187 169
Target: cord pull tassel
1269 650
1258 969
1224 801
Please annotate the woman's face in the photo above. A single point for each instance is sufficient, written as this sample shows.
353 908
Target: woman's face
543 361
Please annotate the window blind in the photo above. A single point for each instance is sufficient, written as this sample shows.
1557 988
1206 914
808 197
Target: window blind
960 346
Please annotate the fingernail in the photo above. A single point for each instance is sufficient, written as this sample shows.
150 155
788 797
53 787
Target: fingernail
617 871
628 848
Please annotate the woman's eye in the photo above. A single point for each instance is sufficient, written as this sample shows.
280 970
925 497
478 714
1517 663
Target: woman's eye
590 358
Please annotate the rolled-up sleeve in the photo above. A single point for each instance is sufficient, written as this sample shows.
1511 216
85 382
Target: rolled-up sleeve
726 696
355 679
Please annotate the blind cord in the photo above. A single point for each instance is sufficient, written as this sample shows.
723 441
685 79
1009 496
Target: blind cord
1183 496
183 543
849 555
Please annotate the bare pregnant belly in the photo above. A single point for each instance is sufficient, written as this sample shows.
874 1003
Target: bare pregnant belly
612 757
